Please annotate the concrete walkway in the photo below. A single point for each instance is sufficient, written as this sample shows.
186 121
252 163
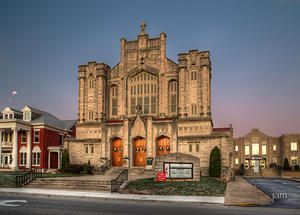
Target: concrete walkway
242 193
107 195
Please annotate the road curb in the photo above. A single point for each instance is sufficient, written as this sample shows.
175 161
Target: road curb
109 196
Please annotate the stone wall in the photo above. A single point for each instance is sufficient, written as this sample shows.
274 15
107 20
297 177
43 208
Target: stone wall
80 155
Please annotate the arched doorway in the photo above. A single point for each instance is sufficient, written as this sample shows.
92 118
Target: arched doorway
117 152
140 152
163 146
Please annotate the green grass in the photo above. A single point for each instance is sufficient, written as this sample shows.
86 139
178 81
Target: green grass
8 179
205 187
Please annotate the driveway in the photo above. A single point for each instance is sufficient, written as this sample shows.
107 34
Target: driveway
285 192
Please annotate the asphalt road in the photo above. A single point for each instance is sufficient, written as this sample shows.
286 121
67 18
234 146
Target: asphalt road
285 192
57 205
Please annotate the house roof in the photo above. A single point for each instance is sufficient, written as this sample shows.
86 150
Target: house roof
48 119
69 124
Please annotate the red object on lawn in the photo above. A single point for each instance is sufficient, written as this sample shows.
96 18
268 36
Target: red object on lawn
161 176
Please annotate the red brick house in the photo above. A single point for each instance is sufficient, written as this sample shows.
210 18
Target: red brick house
32 138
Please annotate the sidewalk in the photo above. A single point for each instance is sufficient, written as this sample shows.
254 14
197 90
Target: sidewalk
242 193
107 195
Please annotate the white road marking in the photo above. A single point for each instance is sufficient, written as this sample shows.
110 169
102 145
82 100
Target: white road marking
8 202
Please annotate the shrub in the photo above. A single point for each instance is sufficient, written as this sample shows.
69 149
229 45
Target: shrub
286 165
87 168
296 167
242 170
215 163
273 165
65 160
74 168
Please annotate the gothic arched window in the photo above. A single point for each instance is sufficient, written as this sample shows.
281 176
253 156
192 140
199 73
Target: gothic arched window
143 91
114 100
173 96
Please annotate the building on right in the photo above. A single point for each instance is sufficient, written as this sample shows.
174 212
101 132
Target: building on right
266 149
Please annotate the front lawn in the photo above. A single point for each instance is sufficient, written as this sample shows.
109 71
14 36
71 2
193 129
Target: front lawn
205 187
8 179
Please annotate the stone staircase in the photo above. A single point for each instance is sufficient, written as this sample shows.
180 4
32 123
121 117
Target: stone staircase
89 183
74 183
265 173
141 172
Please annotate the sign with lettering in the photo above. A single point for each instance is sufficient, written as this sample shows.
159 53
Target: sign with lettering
178 170
161 176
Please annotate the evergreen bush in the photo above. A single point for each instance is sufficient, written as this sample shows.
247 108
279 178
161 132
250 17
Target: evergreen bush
215 163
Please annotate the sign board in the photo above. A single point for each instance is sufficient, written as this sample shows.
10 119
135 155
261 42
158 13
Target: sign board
178 170
161 176
256 166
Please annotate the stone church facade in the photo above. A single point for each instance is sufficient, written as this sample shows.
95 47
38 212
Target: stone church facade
145 106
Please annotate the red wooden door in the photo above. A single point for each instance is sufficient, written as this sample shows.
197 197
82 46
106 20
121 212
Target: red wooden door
140 152
53 160
117 152
163 146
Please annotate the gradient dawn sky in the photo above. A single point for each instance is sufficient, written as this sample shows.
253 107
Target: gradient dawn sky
254 46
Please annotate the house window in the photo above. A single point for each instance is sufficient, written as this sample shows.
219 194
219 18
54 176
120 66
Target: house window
274 147
173 96
293 146
247 151
264 149
11 116
236 161
36 136
5 116
190 147
23 137
236 148
61 140
255 149
114 100
197 147
246 164
275 160
36 156
294 160
27 116
22 158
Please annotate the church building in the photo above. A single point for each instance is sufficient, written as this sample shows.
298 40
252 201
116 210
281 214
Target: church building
146 106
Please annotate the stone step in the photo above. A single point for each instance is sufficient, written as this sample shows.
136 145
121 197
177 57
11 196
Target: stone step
57 181
63 187
72 184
